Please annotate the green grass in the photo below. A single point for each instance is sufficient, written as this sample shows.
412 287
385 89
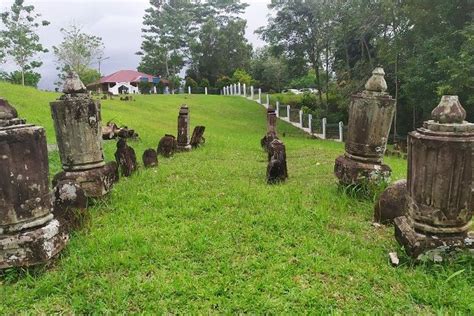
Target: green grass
204 233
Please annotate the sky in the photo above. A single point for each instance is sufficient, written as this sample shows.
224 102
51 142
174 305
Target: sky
118 22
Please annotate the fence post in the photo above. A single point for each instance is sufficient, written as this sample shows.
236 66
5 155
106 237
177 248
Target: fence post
205 90
251 92
268 101
260 95
341 132
245 90
235 89
277 108
189 89
301 118
239 89
324 127
288 113
310 123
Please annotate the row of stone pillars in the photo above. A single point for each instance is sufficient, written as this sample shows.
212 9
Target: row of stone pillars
433 212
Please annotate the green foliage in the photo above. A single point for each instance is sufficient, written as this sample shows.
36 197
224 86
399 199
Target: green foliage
89 75
204 83
190 82
270 71
174 82
306 81
19 38
204 233
223 81
30 78
145 87
242 76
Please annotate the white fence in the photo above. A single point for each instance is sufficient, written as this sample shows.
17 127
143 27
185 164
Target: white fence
305 122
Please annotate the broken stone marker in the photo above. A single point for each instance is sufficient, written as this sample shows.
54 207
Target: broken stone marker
183 129
271 134
391 203
77 123
198 137
370 117
439 185
70 205
277 170
150 158
126 158
167 146
29 233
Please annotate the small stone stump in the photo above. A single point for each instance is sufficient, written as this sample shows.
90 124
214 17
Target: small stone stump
126 158
150 158
167 146
370 117
277 170
391 203
271 134
198 136
439 185
77 123
183 129
29 233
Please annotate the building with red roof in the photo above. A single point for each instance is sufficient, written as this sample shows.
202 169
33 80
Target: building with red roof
124 82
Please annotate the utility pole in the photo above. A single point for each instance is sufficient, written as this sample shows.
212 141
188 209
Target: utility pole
100 60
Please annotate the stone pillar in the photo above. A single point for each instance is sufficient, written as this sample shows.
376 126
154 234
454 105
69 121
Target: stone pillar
251 92
341 132
183 129
29 233
301 118
260 96
189 89
439 184
310 123
271 121
288 113
370 118
239 89
268 101
77 122
277 108
205 90
245 90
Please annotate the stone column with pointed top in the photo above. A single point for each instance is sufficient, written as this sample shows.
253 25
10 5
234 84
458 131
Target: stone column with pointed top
29 233
439 184
370 117
77 122
183 129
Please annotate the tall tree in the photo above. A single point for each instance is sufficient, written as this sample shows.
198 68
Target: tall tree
78 51
20 37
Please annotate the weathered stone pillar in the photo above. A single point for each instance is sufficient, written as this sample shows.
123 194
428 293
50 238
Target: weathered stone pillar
77 122
370 117
439 184
271 121
183 129
29 234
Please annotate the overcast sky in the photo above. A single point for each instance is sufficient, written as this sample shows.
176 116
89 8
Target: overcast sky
119 24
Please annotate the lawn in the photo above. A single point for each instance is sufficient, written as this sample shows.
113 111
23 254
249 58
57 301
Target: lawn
203 233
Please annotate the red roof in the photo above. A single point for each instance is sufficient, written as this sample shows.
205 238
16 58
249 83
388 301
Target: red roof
125 76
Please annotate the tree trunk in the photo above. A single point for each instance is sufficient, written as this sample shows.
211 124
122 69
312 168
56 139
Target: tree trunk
396 98
22 76
327 75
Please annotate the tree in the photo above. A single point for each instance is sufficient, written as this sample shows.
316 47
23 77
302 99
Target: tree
29 78
242 76
20 37
269 70
78 50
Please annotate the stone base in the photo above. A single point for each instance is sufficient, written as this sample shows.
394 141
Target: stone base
181 148
95 182
350 171
420 246
32 246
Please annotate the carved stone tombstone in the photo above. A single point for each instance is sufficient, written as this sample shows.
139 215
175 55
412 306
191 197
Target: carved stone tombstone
197 139
167 146
126 158
271 134
439 184
77 123
183 129
150 158
29 233
370 117
277 170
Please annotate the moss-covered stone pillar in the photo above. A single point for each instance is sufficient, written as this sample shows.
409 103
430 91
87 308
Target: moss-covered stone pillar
439 184
29 234
77 122
370 117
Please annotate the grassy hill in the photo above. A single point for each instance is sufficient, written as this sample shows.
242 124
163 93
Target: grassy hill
204 233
